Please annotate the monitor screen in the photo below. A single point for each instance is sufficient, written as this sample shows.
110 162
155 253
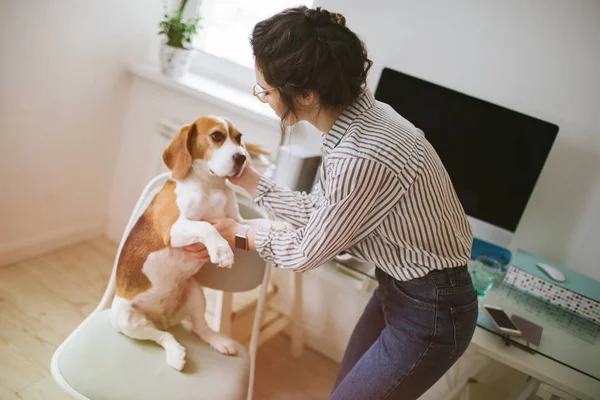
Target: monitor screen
493 155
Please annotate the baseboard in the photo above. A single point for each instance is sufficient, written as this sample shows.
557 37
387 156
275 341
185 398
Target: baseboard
20 250
318 343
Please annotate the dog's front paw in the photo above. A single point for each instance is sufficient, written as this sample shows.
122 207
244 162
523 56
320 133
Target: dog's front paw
176 356
221 254
223 345
224 257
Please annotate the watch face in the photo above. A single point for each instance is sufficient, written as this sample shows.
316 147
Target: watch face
240 243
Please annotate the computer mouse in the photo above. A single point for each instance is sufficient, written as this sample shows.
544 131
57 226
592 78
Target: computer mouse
552 272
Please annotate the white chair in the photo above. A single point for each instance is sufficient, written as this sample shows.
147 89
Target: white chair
96 362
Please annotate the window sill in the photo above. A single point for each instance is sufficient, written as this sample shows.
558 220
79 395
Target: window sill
210 91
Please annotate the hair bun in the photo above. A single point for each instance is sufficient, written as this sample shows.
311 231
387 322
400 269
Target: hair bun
321 18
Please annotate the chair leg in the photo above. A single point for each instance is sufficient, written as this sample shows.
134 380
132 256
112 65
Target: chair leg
254 338
223 311
297 326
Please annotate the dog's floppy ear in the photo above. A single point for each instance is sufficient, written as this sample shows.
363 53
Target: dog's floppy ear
177 156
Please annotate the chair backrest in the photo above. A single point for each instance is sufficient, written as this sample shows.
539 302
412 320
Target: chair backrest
151 189
246 274
248 268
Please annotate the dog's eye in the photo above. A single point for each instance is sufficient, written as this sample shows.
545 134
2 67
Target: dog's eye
238 138
217 137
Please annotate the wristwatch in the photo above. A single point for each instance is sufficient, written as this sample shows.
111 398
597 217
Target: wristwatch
241 237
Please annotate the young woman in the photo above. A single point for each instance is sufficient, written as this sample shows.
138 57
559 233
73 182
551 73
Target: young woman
383 197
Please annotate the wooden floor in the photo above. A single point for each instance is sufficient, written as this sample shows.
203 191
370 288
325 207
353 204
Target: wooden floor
43 299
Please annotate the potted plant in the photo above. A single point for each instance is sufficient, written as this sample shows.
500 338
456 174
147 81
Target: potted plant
176 51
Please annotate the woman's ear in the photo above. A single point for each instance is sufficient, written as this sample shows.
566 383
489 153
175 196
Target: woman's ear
308 99
177 157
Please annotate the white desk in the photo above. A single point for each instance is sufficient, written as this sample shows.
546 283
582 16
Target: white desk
537 366
568 357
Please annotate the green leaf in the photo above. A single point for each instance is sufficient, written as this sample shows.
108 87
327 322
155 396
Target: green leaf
178 31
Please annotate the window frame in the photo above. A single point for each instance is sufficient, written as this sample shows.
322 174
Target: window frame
223 70
220 69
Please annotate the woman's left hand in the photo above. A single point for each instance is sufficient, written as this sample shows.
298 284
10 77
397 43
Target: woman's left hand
227 228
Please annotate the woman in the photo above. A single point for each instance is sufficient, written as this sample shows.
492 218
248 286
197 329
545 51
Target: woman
383 197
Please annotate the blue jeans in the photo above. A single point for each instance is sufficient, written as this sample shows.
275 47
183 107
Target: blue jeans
409 335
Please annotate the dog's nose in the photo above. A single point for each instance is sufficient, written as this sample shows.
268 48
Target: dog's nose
239 159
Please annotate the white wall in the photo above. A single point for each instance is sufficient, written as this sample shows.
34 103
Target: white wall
539 57
63 85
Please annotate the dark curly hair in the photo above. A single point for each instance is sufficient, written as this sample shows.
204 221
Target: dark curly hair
300 50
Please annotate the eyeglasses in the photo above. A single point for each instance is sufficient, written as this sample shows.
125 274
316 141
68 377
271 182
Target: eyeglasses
260 93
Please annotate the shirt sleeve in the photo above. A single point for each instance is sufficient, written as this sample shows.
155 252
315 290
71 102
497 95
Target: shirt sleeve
358 195
288 205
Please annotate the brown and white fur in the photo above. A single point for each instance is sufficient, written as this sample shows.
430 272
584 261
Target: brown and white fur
154 285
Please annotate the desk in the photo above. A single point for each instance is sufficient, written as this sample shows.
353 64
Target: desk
568 357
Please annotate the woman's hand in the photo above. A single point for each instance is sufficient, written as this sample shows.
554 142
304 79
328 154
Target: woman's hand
198 251
248 180
226 227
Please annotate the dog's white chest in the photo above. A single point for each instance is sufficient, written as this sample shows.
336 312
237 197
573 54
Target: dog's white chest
213 205
196 203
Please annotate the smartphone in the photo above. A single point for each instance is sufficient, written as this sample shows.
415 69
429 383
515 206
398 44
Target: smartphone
501 320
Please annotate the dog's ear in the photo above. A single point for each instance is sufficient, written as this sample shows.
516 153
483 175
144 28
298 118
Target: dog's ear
177 157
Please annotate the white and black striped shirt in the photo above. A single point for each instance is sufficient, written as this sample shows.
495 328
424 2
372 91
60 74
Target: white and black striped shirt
383 197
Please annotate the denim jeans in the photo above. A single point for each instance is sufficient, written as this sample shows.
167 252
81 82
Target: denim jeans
409 335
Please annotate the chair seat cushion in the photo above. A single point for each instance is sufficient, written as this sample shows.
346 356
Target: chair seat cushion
100 363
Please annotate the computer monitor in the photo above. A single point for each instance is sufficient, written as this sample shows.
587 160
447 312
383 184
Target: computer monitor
493 155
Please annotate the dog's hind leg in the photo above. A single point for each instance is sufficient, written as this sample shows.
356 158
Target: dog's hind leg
196 307
133 323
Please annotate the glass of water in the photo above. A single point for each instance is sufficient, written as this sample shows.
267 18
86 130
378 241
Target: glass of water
485 272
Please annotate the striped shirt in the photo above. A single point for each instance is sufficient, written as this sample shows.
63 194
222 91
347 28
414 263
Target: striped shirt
383 196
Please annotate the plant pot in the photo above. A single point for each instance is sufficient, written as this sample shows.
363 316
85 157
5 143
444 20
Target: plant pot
174 62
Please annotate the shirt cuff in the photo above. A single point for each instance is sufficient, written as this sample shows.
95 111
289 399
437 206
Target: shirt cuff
265 185
262 243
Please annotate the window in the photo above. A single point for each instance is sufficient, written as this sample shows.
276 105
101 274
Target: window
224 38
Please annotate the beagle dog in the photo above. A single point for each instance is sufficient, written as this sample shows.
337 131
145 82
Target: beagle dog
155 288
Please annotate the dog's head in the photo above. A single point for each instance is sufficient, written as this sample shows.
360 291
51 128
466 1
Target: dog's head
214 141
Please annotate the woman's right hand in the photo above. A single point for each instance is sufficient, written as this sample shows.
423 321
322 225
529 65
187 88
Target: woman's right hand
248 179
